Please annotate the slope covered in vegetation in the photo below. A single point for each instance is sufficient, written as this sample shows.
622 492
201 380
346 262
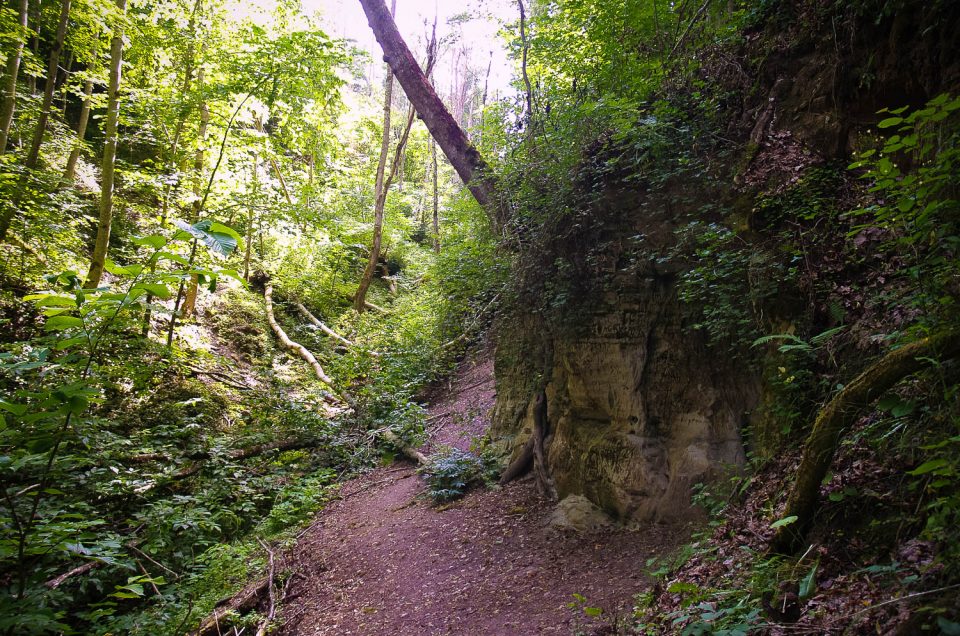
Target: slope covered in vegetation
716 244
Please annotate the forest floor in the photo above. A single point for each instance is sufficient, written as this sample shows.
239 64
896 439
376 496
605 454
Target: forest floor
382 560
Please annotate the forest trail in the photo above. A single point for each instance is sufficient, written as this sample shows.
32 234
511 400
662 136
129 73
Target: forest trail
382 560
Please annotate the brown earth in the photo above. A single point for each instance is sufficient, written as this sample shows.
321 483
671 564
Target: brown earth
382 560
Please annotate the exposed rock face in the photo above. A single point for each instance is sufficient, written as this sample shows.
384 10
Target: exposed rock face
638 409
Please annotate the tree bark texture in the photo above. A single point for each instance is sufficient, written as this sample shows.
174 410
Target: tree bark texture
466 160
71 170
109 159
12 74
839 414
380 194
190 300
436 198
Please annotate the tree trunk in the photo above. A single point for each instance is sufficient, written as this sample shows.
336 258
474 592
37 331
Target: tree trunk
190 300
33 155
453 141
436 199
528 116
109 158
53 68
254 183
840 413
36 18
541 431
483 99
71 171
182 116
258 125
13 71
380 195
62 83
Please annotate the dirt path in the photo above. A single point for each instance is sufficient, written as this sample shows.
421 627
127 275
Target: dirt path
382 561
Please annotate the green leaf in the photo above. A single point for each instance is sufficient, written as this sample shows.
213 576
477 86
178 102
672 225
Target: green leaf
117 270
155 241
220 228
59 323
890 122
809 583
10 407
929 467
157 289
904 408
77 404
221 241
48 300
176 258
786 521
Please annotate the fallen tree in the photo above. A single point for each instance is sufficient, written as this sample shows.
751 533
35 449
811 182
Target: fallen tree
839 414
322 327
299 349
408 451
244 600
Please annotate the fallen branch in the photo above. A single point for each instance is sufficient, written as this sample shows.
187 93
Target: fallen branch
245 599
322 327
54 583
57 581
299 349
369 305
839 414
221 377
272 612
410 453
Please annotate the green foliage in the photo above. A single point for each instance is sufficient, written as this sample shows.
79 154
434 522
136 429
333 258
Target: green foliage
913 175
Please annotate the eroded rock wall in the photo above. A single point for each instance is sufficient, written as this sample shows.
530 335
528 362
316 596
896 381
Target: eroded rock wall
638 409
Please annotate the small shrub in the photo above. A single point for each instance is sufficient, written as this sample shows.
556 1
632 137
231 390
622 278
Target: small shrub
453 472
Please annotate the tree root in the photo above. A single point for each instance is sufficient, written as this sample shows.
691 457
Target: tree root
840 413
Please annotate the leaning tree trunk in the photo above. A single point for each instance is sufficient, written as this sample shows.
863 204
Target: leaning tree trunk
380 194
839 414
466 160
53 68
109 159
12 74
